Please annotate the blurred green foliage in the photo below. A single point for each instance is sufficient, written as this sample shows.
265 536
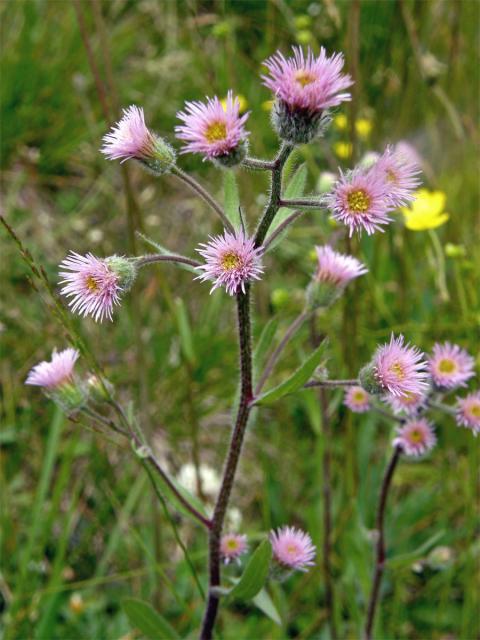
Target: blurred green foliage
81 528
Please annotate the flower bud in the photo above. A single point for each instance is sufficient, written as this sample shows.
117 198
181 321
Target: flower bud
70 396
233 158
369 381
98 390
125 270
321 295
298 126
162 158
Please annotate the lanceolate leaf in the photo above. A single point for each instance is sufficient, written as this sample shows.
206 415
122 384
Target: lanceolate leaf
255 574
264 602
150 623
231 198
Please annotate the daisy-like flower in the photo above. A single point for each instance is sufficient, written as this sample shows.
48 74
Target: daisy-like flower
397 368
450 366
232 546
357 399
131 138
308 82
55 373
408 403
360 200
336 268
214 131
292 548
231 261
401 173
415 437
95 285
468 412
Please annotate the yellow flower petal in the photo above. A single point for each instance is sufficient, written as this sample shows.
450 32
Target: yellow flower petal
340 122
343 149
364 127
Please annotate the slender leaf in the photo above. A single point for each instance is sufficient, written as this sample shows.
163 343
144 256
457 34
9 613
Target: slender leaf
150 623
406 559
163 251
255 574
231 202
264 602
184 330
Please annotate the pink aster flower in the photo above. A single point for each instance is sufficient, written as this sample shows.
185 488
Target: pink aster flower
468 412
232 546
357 399
415 437
336 268
55 373
292 548
450 366
210 129
307 82
129 138
92 284
399 368
401 173
408 403
360 200
231 261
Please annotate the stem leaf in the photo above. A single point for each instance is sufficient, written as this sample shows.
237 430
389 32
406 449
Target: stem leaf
150 623
255 574
231 199
264 602
185 331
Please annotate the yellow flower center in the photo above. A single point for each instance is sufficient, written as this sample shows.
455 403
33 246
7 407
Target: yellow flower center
232 545
475 410
303 77
216 131
230 261
359 396
397 369
447 366
291 548
415 436
391 177
92 284
358 201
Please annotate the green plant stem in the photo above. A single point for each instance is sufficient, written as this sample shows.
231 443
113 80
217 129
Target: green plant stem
258 165
231 464
150 259
307 203
331 383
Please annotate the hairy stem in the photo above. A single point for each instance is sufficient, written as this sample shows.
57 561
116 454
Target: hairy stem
150 259
258 165
308 203
331 383
380 548
233 456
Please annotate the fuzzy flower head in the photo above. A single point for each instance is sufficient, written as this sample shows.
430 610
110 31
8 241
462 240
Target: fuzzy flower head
292 548
396 368
130 138
415 437
232 546
336 268
359 200
217 132
308 82
57 372
231 261
408 403
450 366
357 399
94 285
401 174
468 412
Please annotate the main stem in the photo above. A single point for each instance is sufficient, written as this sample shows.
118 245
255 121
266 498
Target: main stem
246 394
380 550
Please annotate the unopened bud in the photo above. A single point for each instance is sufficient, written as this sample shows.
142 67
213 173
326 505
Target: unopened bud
368 380
233 158
298 126
124 268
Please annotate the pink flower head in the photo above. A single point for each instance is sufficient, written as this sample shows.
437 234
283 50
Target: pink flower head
401 173
56 372
415 437
292 548
450 366
336 268
93 286
399 368
130 138
359 200
408 403
307 82
468 412
210 129
357 399
232 546
231 261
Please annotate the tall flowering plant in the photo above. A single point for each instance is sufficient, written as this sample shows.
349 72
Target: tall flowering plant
400 382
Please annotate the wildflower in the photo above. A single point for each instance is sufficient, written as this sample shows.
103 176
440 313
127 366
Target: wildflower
450 366
292 548
415 437
304 87
242 101
426 211
57 372
130 138
357 399
231 261
401 174
340 122
408 403
76 603
95 285
359 200
215 132
468 412
363 127
343 150
397 368
232 546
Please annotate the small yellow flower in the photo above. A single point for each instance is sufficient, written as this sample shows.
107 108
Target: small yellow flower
303 36
426 211
76 603
363 127
340 122
267 105
343 149
242 100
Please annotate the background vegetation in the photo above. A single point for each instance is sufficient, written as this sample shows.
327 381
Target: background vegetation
81 528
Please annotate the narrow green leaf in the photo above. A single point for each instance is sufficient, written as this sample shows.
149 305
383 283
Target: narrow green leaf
184 330
264 342
406 559
297 379
255 574
231 198
150 623
264 602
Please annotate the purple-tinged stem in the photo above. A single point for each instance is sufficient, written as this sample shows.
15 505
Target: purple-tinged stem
380 548
331 383
258 165
281 228
160 257
308 203
231 464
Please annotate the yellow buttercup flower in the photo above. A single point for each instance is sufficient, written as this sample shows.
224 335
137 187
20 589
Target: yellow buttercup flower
242 100
340 122
343 149
363 127
426 211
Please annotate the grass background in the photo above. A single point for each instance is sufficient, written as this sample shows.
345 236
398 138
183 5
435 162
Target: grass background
81 528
